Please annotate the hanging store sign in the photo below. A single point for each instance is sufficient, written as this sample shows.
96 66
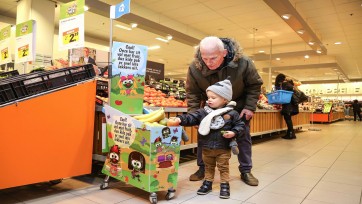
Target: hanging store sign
120 9
25 42
71 25
5 34
128 77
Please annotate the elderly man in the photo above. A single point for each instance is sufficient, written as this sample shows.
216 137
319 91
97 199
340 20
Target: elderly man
215 60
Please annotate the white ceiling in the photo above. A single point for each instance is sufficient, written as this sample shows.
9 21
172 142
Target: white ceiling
253 23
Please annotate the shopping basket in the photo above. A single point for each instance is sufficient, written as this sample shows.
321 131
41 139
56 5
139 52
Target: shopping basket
279 97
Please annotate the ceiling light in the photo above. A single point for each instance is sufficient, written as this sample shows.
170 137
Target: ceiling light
154 47
286 16
123 27
161 39
338 43
277 58
261 51
169 37
301 31
318 51
86 8
311 43
306 56
134 25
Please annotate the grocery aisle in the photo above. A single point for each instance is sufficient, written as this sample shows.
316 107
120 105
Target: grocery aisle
318 167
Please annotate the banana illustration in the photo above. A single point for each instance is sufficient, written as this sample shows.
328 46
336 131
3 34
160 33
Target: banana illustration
154 118
145 116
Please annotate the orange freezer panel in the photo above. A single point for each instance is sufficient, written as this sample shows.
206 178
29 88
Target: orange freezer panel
48 137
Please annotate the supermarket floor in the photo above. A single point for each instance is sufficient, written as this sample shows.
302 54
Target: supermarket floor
318 167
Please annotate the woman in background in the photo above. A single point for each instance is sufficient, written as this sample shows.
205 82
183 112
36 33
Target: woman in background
289 109
356 110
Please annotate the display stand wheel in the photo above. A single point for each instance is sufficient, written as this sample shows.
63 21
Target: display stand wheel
105 183
104 186
54 182
153 198
170 194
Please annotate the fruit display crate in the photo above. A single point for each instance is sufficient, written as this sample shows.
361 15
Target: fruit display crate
25 85
9 74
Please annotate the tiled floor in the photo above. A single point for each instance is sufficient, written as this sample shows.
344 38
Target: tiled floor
319 167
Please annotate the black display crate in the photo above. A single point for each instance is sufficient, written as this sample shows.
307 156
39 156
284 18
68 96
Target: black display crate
8 74
25 85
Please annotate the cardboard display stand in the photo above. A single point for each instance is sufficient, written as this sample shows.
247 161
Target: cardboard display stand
143 155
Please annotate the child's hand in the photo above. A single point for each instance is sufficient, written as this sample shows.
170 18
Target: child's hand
227 134
173 121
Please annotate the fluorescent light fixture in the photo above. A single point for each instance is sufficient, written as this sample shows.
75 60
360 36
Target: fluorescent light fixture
286 16
161 39
123 27
134 25
306 56
261 51
301 31
86 8
154 47
338 43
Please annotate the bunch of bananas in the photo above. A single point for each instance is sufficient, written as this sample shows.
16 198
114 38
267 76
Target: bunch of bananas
151 117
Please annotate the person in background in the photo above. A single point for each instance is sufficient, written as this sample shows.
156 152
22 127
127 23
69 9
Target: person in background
218 122
86 58
263 91
289 109
214 60
356 110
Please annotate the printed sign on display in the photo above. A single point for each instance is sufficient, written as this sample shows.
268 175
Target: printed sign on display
25 42
128 77
5 34
71 25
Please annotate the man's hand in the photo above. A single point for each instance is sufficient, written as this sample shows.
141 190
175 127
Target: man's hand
248 114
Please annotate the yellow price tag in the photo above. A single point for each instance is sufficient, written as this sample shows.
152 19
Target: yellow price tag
4 54
23 51
70 36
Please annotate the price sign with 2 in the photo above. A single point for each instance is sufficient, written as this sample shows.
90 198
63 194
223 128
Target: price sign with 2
4 54
23 51
70 36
